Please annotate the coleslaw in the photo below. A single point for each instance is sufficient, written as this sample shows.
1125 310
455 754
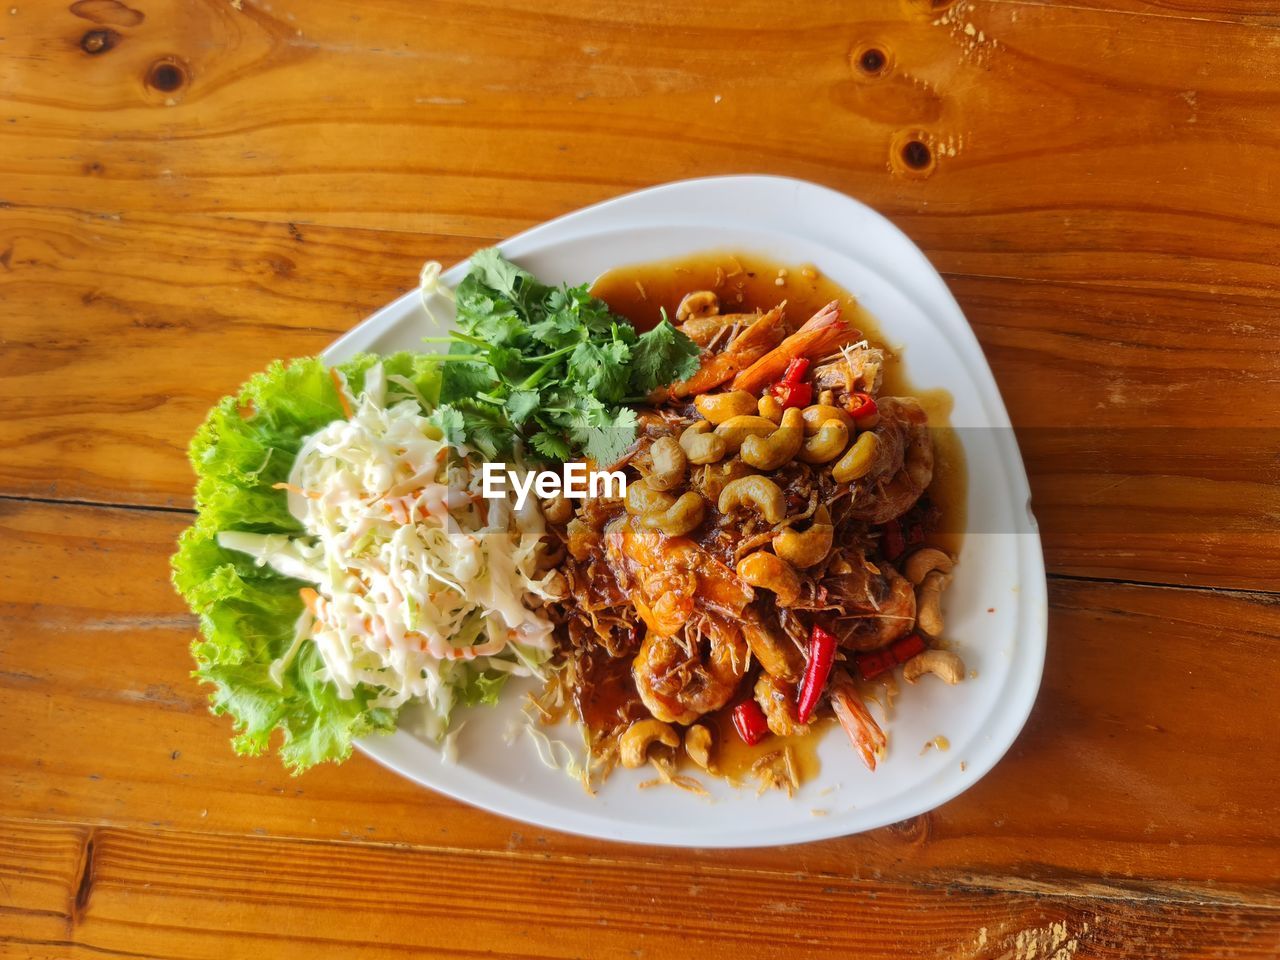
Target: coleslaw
423 590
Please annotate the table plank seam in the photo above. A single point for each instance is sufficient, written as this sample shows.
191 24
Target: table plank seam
1259 596
94 504
1073 886
1166 286
1144 14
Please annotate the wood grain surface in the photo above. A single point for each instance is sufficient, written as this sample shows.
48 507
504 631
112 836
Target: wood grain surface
191 188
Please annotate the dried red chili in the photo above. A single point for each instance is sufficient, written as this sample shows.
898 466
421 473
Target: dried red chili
822 653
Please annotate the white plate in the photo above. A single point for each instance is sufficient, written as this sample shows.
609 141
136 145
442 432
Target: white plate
1001 566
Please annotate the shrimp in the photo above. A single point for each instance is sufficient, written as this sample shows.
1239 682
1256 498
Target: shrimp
880 607
680 679
648 565
864 733
821 334
748 347
777 698
703 330
777 654
903 465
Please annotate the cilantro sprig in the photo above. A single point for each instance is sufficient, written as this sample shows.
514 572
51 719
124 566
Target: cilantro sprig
549 366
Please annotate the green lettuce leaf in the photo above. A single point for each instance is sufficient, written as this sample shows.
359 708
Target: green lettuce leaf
247 613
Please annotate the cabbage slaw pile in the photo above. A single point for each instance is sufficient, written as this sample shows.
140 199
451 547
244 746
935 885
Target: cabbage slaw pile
420 583
381 578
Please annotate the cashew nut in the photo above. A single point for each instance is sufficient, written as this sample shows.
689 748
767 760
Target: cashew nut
633 746
642 498
669 462
736 429
819 413
827 444
764 570
770 407
700 445
803 549
700 303
941 663
558 509
697 744
856 462
716 476
924 561
761 492
719 407
827 397
779 447
677 519
929 602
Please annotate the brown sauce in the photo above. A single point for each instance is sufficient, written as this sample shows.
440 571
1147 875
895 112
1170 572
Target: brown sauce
606 697
745 283
734 758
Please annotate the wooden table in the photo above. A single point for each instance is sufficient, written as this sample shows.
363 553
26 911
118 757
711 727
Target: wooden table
189 189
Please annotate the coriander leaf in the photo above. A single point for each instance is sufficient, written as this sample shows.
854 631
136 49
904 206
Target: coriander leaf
554 364
486 429
607 444
521 404
459 380
518 286
473 302
496 272
509 363
450 421
551 446
601 368
661 356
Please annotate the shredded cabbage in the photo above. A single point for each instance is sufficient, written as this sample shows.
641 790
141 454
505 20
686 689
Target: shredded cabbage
422 586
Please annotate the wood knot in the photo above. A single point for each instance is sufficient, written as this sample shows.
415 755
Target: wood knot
914 831
911 155
870 60
916 155
99 41
84 882
167 75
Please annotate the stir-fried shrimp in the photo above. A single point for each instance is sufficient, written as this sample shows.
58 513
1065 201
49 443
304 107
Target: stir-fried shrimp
874 606
777 698
903 467
754 342
776 652
681 679
863 731
754 569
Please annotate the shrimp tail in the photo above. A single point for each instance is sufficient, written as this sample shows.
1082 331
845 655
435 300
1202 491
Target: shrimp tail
821 334
747 348
865 734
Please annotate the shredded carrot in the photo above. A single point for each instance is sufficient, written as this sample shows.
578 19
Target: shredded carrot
294 488
311 599
342 392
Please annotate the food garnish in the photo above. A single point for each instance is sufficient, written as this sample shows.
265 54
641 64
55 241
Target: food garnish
550 366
